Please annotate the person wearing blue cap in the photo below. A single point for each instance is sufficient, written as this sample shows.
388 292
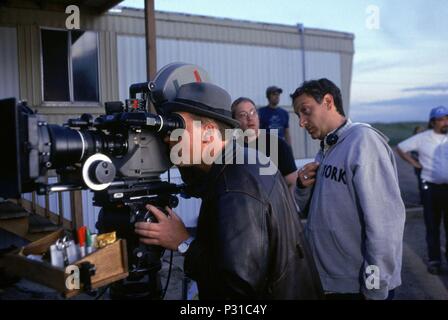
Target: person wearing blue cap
432 148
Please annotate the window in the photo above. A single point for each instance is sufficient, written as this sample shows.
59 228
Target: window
70 66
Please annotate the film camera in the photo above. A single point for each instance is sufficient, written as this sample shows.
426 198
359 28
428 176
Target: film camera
119 156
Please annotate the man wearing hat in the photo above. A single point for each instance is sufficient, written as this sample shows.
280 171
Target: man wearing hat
274 117
432 148
249 242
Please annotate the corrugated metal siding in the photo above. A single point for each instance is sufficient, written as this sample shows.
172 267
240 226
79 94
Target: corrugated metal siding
29 64
287 38
173 25
245 70
9 69
131 55
346 80
242 70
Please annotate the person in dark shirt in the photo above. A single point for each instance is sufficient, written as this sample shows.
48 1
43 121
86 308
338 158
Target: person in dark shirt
244 110
273 117
249 242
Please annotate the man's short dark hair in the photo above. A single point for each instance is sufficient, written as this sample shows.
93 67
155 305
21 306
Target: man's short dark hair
318 89
237 102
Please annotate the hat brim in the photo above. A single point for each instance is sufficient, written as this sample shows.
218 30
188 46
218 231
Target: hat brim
439 116
279 91
216 114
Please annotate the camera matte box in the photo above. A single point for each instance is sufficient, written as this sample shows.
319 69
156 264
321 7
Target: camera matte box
10 175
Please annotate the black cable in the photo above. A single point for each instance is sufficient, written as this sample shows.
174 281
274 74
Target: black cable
171 256
102 293
169 275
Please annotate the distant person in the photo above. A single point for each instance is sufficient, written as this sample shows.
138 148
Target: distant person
244 110
274 117
418 171
355 212
432 148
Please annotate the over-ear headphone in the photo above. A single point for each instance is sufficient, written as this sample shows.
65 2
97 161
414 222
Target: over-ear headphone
332 138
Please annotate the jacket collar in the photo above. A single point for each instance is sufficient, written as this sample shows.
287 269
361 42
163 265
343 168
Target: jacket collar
227 156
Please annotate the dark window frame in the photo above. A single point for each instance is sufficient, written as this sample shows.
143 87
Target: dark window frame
72 102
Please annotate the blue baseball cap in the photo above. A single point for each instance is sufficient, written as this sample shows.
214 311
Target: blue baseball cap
438 113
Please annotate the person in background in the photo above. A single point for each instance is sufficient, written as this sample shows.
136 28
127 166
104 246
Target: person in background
244 110
432 148
418 171
274 117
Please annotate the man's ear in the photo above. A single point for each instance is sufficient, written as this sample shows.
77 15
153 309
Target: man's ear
208 132
328 101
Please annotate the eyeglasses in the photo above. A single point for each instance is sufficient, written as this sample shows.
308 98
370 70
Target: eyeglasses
246 115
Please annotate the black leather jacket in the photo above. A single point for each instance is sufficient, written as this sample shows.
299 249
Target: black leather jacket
250 242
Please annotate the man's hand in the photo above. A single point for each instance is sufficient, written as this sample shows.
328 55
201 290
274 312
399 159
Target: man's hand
169 232
408 157
307 175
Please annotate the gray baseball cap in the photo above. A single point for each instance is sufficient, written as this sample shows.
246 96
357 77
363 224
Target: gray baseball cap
273 89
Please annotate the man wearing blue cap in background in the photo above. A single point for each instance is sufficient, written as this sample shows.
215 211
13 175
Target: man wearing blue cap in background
432 148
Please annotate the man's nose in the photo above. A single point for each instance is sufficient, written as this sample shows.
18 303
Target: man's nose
302 122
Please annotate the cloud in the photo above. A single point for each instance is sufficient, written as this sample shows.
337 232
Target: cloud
418 100
413 108
373 65
436 87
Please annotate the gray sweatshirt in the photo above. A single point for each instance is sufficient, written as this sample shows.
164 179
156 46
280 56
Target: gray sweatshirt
356 215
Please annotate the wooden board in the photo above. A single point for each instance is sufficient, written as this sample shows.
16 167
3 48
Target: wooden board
111 264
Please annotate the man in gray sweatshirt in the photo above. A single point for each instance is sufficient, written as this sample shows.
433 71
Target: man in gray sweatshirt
355 212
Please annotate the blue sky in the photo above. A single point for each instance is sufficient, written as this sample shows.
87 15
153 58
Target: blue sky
400 70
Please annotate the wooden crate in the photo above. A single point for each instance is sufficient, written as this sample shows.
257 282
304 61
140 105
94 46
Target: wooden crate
111 264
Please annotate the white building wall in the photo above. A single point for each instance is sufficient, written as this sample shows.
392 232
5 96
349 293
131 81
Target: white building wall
247 70
243 70
131 56
9 69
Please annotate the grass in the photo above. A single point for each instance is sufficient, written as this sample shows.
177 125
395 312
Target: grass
398 131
